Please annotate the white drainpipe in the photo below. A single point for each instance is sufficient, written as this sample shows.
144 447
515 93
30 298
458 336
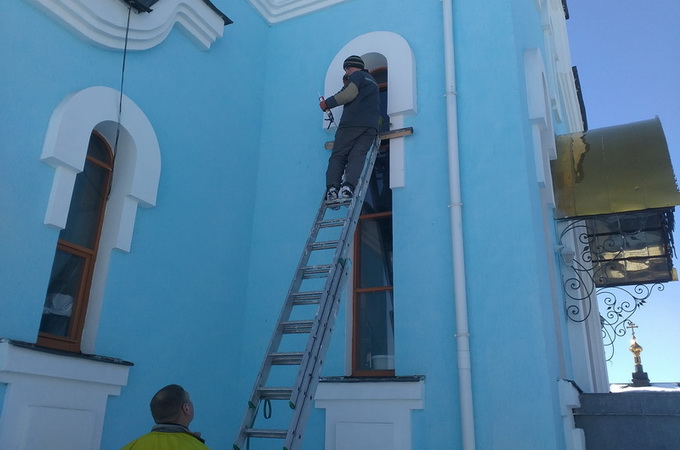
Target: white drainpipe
460 297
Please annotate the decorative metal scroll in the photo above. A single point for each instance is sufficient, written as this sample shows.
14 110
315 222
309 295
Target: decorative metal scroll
597 269
619 305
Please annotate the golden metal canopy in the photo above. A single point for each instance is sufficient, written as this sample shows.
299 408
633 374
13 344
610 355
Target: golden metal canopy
613 169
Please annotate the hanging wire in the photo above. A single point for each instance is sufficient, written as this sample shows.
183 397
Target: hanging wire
120 97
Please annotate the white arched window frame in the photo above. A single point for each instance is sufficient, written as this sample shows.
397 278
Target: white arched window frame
135 176
378 48
354 414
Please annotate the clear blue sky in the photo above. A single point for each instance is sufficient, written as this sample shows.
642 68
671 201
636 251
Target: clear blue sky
628 57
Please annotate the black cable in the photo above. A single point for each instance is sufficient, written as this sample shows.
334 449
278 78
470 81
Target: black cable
120 97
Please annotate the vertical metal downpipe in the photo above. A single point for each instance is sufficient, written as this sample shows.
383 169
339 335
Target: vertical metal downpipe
460 295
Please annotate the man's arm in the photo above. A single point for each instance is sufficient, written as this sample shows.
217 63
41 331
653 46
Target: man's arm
344 96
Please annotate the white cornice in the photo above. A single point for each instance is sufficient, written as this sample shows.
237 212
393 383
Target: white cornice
104 22
275 11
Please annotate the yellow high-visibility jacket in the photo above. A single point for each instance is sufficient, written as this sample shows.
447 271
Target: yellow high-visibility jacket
157 440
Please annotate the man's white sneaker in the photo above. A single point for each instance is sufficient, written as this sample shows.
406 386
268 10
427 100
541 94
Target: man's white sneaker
346 192
331 194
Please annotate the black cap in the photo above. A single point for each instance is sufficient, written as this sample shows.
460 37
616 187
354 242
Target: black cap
354 61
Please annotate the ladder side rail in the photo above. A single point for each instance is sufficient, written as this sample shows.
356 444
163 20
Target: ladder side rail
309 356
325 311
307 380
311 381
335 289
277 334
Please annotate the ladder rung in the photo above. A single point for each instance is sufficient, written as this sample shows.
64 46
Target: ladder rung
306 298
339 202
297 326
275 393
325 245
287 359
316 271
264 433
329 223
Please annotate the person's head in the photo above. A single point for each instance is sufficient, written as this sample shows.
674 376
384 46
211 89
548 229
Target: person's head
352 64
172 405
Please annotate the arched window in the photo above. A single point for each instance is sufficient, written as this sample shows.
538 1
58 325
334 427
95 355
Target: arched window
135 183
74 260
371 314
373 324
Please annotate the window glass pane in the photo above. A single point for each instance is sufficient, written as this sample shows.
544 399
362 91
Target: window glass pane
62 293
82 225
375 252
379 195
383 112
380 75
375 323
98 149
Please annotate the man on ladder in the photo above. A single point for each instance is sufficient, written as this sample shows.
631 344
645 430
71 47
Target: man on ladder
357 129
314 295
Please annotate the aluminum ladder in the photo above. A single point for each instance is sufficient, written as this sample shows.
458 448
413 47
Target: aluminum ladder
303 331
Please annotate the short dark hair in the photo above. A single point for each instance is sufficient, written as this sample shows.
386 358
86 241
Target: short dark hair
166 405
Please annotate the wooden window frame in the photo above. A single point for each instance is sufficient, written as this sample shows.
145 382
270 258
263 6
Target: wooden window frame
356 292
72 341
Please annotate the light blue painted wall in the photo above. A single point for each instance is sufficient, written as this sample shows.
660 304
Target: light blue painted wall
193 247
40 68
292 136
173 304
500 195
513 346
242 175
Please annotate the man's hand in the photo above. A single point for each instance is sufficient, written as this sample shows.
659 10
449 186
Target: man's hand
322 105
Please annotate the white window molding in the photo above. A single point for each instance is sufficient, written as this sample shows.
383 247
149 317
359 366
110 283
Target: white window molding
575 438
68 393
104 22
563 99
136 175
372 414
383 48
274 11
538 105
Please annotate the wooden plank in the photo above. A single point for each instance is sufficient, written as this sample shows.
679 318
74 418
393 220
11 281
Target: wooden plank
391 134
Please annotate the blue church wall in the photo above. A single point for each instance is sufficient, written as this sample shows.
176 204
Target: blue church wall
172 304
291 183
200 231
500 197
242 155
513 334
41 68
423 202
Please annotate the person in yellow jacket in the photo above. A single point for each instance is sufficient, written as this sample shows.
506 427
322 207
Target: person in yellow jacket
173 411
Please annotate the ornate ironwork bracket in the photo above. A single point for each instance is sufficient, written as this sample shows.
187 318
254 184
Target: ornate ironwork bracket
579 284
619 305
585 278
